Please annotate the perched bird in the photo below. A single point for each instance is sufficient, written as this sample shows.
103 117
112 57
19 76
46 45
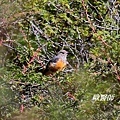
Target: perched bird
57 63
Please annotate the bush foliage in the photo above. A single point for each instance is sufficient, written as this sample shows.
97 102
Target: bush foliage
34 31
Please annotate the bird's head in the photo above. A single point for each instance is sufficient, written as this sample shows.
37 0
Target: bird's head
63 52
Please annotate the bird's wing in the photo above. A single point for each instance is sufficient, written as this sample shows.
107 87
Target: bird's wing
55 64
52 62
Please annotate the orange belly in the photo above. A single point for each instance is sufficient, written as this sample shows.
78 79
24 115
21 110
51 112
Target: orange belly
54 67
59 65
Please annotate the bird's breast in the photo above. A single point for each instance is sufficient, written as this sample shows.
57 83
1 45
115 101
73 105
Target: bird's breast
59 65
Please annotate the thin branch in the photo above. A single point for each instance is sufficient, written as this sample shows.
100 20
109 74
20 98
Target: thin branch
39 30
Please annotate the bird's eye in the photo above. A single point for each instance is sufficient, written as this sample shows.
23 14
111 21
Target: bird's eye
62 52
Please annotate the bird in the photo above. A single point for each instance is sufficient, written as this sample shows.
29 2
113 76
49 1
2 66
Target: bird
57 63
